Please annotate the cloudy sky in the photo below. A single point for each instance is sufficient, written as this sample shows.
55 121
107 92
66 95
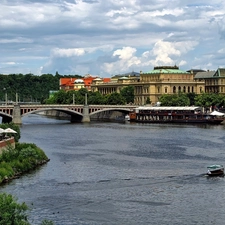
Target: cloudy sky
108 37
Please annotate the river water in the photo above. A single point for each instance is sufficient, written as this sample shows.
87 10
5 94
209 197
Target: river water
123 173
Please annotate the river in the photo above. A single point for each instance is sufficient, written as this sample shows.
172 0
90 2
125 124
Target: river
123 173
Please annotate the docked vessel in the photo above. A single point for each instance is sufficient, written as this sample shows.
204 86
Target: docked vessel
127 118
171 114
215 170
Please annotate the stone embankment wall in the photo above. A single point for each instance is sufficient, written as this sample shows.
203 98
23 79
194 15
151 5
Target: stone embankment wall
6 142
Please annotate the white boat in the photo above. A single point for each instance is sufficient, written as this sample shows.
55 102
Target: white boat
215 170
127 118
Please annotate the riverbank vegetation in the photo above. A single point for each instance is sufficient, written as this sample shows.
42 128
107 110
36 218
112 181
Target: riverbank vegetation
14 213
18 159
15 161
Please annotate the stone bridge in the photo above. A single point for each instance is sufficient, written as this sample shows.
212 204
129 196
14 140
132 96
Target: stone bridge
78 113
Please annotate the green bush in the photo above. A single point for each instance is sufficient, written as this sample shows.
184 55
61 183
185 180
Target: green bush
47 222
17 166
23 158
9 154
12 212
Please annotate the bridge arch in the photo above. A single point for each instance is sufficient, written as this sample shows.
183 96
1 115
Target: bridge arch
67 111
6 118
110 109
75 116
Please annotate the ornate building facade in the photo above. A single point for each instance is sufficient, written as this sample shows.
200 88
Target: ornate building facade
152 84
214 80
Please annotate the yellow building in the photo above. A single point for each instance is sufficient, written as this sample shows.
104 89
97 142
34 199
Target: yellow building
115 84
165 80
152 84
214 80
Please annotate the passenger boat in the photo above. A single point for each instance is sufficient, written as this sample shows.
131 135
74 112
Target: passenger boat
171 114
215 170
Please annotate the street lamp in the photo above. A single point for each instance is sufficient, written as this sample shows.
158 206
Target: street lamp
16 98
73 99
6 97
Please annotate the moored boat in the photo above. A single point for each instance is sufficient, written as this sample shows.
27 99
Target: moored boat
127 118
215 170
169 114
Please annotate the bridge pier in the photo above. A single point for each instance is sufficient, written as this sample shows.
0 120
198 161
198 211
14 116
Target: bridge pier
17 115
86 115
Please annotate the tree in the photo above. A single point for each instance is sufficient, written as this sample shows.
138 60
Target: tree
209 99
58 98
180 99
96 98
11 212
128 94
191 97
115 99
14 213
148 101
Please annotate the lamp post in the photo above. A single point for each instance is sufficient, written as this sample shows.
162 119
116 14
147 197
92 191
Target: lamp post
6 97
16 98
73 99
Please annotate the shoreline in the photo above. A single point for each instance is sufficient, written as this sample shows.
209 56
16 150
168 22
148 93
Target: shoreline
17 175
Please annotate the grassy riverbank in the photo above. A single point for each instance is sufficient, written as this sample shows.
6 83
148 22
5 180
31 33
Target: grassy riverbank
15 160
23 158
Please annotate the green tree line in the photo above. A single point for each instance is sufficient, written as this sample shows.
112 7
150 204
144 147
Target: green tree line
204 100
29 87
126 96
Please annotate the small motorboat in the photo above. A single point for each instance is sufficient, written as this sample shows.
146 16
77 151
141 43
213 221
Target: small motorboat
127 118
215 170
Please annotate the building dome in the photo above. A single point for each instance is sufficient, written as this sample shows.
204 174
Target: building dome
123 78
78 81
97 79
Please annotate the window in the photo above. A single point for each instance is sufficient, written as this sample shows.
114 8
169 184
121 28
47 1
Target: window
174 89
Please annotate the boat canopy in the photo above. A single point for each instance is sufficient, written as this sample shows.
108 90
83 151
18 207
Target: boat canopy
214 167
216 113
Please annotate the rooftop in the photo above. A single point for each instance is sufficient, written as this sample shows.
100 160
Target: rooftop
206 74
166 69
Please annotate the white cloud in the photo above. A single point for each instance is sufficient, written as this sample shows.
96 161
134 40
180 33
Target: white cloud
126 59
108 37
67 52
15 40
125 53
10 63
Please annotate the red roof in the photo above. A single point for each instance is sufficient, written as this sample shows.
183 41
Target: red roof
68 83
